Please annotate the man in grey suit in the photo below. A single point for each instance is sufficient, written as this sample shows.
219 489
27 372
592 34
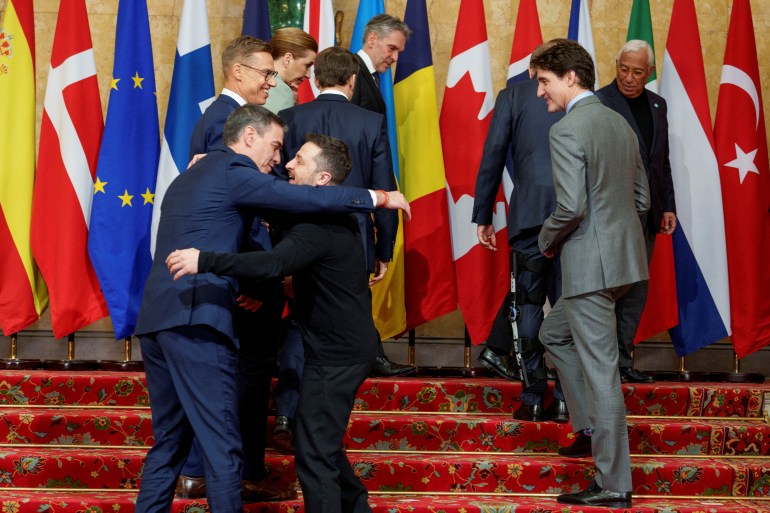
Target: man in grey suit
520 123
645 112
601 190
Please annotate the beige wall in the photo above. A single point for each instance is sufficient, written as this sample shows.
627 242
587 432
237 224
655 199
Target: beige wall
609 19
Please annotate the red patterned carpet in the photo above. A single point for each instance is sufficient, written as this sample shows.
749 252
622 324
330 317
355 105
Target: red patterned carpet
75 442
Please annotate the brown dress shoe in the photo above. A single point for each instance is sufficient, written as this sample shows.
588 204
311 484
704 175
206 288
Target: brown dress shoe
188 487
580 447
268 489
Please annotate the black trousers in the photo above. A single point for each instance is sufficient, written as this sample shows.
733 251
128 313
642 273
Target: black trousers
329 484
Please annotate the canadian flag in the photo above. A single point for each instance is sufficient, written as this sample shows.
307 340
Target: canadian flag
70 134
319 23
482 275
741 142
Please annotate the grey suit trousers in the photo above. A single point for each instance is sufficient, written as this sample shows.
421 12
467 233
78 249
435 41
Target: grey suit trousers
580 335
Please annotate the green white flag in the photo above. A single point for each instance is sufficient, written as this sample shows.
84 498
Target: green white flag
640 27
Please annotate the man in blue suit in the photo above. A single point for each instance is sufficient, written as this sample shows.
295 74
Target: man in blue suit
247 64
248 68
519 127
645 112
186 327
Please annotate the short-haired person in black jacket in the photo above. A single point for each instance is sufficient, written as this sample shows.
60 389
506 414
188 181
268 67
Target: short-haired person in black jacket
323 254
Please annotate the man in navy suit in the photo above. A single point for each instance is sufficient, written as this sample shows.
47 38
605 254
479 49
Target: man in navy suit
186 327
247 64
248 68
323 255
645 111
520 125
384 38
365 134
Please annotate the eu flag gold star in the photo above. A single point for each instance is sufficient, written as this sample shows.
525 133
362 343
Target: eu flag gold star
99 186
148 197
126 197
137 81
114 83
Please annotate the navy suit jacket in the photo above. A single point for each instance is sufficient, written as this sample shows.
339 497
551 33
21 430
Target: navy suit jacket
208 131
366 94
655 158
332 293
365 133
203 208
521 122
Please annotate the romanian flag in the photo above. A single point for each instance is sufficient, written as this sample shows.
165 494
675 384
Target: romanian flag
22 292
388 306
430 285
70 134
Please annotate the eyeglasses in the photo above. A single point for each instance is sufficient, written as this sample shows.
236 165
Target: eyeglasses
636 72
268 74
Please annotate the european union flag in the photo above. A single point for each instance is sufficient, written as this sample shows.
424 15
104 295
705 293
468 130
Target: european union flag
119 236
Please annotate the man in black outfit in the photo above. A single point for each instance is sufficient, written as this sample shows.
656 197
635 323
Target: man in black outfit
645 112
323 254
384 38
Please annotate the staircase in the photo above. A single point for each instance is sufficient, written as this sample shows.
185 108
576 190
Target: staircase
76 442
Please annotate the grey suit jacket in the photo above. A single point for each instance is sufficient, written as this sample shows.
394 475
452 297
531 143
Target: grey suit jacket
601 190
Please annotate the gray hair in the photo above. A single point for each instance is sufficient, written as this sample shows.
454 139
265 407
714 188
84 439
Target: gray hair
255 116
638 45
384 24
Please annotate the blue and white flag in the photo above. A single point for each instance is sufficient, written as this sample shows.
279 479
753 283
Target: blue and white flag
192 91
580 30
119 237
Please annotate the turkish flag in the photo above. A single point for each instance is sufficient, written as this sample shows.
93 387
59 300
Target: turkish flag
70 134
741 143
482 275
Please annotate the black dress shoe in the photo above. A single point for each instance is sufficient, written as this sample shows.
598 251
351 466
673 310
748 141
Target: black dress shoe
282 434
501 364
595 496
631 375
385 368
531 412
557 412
580 447
188 487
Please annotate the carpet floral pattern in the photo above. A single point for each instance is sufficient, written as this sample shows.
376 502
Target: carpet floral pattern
76 443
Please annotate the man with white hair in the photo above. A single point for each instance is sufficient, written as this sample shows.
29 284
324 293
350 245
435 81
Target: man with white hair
645 111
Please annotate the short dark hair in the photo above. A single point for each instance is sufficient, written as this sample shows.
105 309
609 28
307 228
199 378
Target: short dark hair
334 66
565 56
384 24
334 157
255 116
241 48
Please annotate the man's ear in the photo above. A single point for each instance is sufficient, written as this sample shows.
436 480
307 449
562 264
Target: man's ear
323 178
370 39
249 135
571 78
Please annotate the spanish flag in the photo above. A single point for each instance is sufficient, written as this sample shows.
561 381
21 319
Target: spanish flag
22 291
431 289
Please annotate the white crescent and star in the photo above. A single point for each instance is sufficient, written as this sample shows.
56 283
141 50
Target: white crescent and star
744 161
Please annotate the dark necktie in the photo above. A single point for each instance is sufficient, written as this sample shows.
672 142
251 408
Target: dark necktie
376 77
